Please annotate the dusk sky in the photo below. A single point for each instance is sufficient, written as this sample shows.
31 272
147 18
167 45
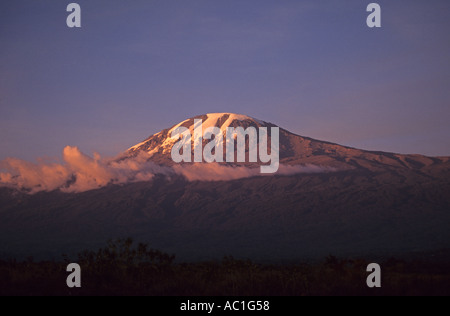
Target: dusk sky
137 67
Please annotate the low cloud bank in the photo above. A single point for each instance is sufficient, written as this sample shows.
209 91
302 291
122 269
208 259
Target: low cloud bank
216 172
80 173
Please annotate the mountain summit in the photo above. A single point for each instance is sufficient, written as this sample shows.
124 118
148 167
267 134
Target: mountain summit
160 144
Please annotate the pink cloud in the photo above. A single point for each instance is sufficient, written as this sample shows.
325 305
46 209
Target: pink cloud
80 173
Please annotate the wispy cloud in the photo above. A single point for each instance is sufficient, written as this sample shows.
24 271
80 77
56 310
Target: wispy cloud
217 172
80 173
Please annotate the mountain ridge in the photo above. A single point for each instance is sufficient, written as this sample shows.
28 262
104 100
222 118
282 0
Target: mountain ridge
294 149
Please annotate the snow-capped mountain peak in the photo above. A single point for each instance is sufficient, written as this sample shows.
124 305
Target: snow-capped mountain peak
162 142
294 149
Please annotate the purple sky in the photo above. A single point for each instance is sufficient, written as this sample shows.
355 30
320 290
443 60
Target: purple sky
136 67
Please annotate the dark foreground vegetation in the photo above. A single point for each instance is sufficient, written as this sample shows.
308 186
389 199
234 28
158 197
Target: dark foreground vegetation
124 269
